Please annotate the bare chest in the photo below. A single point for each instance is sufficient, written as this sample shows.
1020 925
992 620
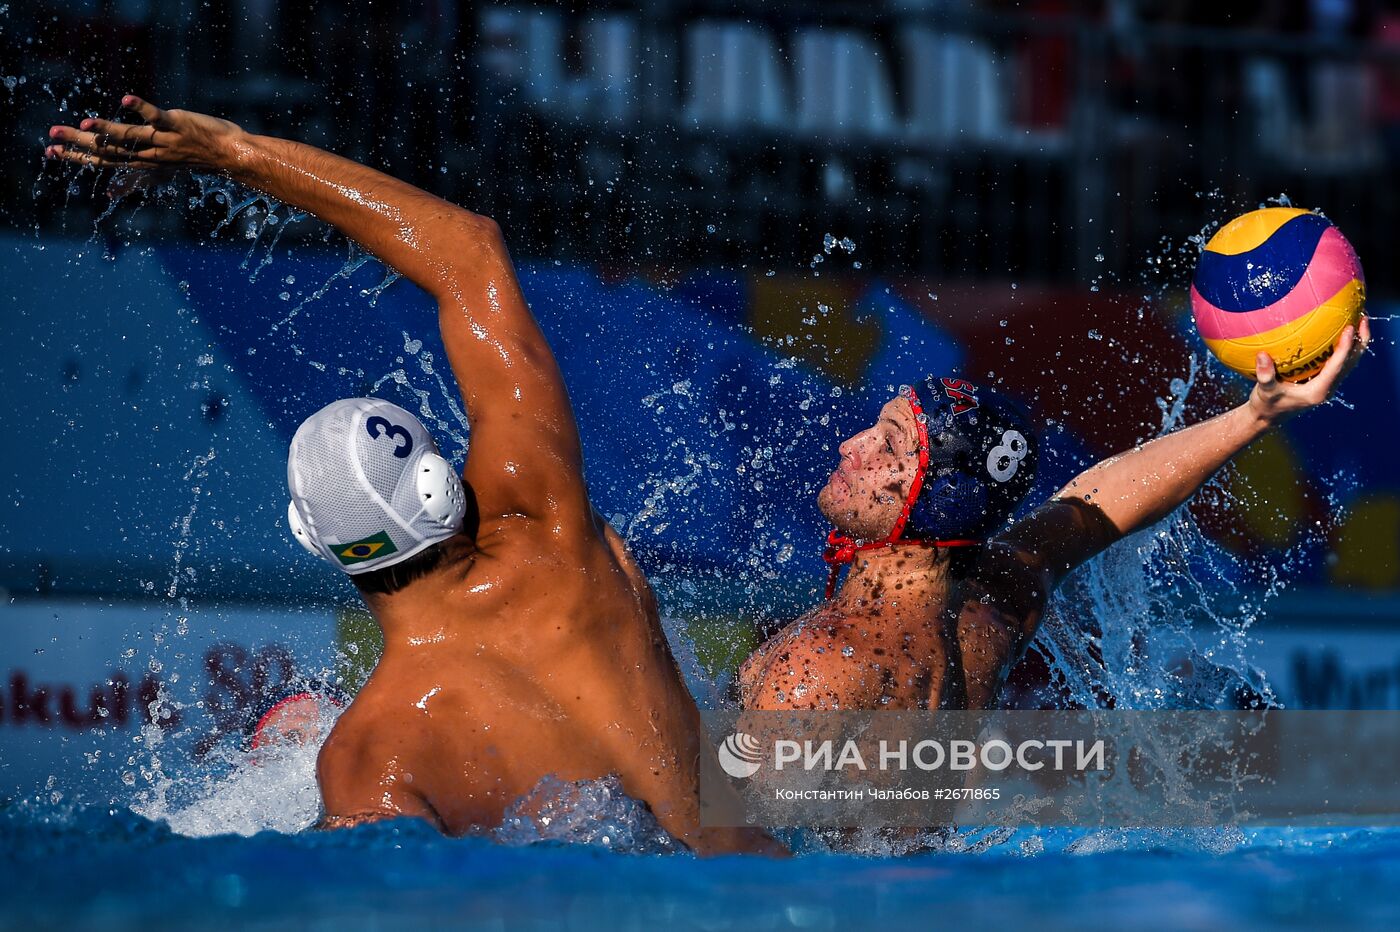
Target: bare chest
842 660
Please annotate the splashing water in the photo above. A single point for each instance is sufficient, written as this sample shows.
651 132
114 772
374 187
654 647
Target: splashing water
1162 619
237 791
355 258
595 813
242 791
1122 632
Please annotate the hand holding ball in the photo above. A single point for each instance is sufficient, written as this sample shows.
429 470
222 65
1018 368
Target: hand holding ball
1280 280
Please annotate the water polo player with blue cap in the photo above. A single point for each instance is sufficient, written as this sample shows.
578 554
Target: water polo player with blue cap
976 457
943 594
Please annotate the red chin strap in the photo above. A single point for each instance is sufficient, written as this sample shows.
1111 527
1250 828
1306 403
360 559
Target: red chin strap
841 549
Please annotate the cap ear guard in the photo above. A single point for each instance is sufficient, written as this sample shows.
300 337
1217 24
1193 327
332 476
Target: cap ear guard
300 532
955 505
440 492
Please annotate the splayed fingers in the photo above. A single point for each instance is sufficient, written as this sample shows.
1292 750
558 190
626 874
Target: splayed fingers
147 111
104 143
162 138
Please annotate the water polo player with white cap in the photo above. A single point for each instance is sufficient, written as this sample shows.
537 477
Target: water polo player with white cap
369 488
944 591
520 638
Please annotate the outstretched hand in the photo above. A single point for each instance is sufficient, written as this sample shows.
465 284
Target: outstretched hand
164 139
1274 399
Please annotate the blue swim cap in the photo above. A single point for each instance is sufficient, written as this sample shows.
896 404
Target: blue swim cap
977 456
981 460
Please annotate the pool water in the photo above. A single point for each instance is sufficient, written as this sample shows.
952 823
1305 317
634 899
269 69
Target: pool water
229 845
119 870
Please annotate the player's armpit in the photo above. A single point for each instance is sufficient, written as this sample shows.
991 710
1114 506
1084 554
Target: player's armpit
987 642
1059 536
329 822
995 612
992 615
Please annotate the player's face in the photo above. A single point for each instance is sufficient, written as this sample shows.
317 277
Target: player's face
866 493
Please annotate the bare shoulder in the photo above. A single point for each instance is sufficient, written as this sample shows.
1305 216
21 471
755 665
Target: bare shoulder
348 754
371 729
806 666
350 735
622 555
362 767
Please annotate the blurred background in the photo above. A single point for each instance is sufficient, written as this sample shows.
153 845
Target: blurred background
742 224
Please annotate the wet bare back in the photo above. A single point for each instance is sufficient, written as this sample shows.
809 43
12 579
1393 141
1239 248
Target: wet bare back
534 648
530 654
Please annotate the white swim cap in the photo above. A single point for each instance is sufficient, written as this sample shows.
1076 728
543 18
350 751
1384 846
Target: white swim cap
369 488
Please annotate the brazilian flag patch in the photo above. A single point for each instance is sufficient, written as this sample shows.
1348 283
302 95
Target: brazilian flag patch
376 545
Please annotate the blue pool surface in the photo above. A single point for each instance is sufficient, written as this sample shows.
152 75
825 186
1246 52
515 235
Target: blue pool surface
189 846
117 870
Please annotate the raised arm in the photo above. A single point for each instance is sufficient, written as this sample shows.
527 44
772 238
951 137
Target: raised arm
525 456
1137 488
997 609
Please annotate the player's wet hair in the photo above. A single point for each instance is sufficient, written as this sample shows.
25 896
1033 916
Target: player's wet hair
396 576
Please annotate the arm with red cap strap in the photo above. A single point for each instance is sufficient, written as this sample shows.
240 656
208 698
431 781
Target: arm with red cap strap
525 454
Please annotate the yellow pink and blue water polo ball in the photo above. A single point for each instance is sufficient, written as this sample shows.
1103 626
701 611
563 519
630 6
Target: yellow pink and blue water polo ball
1282 280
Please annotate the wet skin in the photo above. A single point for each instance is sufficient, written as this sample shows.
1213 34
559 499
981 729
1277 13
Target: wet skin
902 634
534 648
886 641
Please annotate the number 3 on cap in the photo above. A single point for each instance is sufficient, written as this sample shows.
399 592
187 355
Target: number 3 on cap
378 427
1003 460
